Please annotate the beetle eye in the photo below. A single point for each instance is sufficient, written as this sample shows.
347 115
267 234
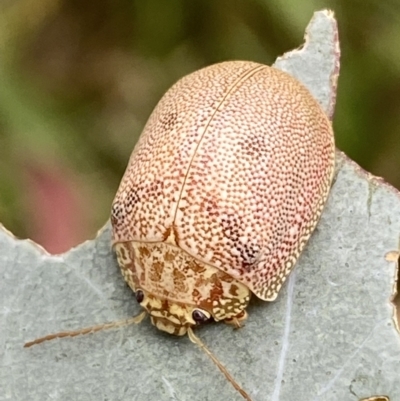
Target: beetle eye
200 316
139 296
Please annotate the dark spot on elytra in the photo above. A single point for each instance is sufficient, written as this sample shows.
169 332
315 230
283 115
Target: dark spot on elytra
132 198
233 229
249 253
121 208
168 120
253 145
117 212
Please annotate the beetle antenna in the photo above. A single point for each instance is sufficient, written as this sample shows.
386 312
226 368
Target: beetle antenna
196 340
92 329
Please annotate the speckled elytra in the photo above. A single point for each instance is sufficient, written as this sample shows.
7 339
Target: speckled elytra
221 193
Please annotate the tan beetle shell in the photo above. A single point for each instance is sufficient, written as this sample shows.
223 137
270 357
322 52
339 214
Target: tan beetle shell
236 163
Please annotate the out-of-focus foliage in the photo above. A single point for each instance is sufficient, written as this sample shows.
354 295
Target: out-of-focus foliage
80 78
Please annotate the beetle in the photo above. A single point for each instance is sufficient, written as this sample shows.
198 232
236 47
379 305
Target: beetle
222 191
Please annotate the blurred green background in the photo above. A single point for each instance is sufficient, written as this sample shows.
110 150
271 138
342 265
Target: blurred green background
79 79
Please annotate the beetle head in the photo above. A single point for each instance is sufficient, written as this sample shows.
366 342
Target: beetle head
172 317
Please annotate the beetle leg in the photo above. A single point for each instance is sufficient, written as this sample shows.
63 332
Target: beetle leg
237 320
